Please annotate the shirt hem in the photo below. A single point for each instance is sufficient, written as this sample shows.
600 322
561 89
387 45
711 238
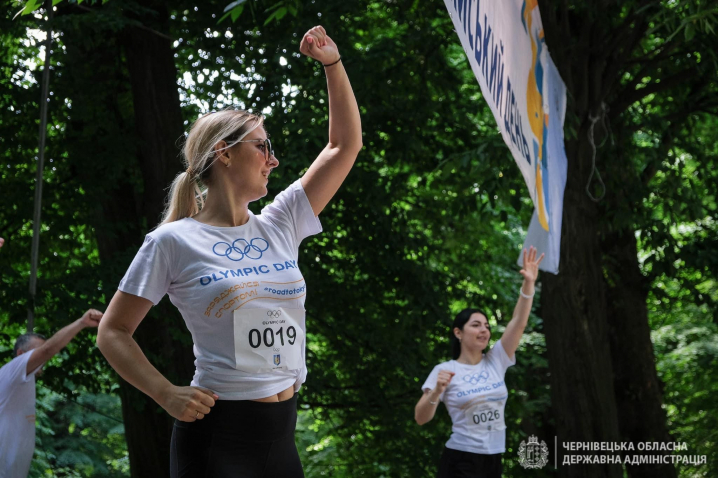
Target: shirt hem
250 395
145 293
476 451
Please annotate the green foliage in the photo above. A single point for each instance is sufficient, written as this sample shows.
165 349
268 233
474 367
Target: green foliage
686 345
79 436
275 11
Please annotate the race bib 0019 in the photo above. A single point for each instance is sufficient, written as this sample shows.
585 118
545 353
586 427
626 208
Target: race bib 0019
266 340
486 417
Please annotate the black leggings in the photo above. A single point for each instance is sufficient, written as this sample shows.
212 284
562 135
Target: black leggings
238 439
462 464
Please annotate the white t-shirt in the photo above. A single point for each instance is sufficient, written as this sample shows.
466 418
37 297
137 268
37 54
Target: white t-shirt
240 292
475 398
17 417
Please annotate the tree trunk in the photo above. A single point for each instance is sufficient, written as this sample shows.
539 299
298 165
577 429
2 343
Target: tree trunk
158 121
137 147
639 397
604 383
638 393
574 309
158 116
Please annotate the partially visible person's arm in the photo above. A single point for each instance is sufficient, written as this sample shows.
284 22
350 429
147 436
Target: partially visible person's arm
114 338
515 329
2 241
428 403
57 342
327 173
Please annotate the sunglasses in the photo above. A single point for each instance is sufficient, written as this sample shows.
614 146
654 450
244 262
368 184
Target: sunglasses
265 147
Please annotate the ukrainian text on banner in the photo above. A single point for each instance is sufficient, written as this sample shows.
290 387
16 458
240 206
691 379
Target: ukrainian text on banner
504 42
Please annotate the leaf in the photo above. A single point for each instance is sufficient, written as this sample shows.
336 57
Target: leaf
690 31
29 8
278 15
233 5
237 12
223 17
709 27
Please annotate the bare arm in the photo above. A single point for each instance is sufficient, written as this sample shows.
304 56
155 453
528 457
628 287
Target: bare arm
426 408
328 171
428 403
114 338
515 329
63 336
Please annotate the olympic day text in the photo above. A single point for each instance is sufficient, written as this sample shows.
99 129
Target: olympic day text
246 272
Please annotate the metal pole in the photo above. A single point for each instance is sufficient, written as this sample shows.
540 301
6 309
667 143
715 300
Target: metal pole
40 167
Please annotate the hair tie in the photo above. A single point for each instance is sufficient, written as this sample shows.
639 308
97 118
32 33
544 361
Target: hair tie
189 171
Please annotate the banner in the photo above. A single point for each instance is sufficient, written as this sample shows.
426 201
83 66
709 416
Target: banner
504 42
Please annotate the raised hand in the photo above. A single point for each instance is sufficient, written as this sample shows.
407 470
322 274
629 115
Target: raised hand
188 404
531 265
91 318
317 44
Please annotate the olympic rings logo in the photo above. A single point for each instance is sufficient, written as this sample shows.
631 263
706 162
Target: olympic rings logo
275 314
477 378
240 249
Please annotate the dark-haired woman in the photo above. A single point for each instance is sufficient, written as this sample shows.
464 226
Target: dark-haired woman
472 385
235 278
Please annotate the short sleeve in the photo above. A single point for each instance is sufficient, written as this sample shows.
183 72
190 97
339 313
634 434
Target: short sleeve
291 212
15 371
430 383
499 356
149 274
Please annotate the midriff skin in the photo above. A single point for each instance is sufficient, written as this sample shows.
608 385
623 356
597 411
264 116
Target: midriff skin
280 397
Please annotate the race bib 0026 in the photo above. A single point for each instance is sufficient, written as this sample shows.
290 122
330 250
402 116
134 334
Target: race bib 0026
486 417
266 340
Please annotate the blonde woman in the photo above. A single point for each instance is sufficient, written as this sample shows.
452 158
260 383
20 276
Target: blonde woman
235 279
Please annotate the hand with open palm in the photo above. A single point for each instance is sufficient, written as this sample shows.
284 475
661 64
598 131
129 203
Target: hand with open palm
531 265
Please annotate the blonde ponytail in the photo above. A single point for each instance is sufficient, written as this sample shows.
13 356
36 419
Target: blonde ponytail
186 197
182 200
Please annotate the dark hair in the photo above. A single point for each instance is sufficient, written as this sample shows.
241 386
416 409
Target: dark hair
459 322
23 340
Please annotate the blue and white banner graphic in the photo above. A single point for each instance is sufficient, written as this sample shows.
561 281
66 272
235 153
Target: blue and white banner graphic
504 42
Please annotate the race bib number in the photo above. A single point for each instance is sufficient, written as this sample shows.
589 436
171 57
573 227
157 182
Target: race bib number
266 340
486 417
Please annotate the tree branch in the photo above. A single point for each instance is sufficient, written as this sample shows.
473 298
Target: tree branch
611 74
629 97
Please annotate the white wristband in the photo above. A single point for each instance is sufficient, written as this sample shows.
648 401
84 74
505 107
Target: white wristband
521 291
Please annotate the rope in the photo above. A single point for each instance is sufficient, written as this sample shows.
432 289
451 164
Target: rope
594 169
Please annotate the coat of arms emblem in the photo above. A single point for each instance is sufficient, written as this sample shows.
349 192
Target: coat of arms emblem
533 454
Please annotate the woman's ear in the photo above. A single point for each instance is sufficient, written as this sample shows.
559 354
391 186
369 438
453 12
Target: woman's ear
221 153
457 333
